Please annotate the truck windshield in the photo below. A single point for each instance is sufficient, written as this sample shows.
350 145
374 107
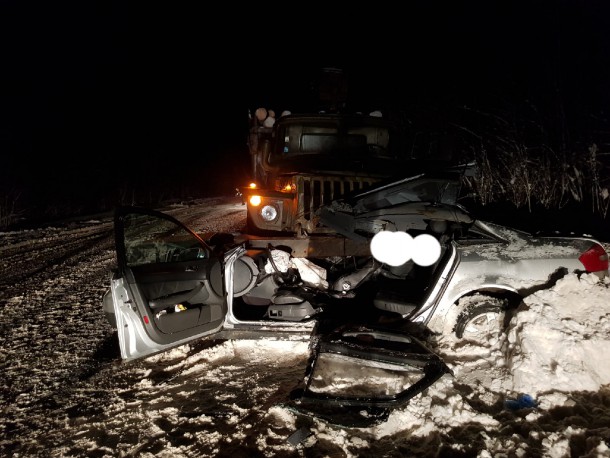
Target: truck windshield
304 140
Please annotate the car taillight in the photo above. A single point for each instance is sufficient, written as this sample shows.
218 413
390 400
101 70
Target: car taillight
594 259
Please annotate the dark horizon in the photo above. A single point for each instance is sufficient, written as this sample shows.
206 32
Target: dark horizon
95 97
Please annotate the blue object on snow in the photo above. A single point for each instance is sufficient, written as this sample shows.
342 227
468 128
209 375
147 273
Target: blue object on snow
523 401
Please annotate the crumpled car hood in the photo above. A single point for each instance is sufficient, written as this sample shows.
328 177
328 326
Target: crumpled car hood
407 203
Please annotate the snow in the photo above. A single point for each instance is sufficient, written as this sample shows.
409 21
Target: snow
64 392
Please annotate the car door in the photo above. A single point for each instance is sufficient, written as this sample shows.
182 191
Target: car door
168 288
358 373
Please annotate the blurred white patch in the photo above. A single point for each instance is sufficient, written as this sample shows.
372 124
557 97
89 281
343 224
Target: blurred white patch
397 248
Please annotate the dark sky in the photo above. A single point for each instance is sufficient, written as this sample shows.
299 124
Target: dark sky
92 90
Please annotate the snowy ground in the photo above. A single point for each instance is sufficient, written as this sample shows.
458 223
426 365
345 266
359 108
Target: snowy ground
64 392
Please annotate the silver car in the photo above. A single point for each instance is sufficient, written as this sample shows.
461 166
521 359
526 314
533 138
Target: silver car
171 287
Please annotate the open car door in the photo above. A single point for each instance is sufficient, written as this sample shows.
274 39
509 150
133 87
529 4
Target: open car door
169 286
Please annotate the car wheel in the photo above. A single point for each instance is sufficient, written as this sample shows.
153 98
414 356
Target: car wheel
479 319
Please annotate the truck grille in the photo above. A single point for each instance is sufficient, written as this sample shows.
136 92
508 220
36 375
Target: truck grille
313 192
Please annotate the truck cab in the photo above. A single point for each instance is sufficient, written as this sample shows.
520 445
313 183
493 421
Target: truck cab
305 161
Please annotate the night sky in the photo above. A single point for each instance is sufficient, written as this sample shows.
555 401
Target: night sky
99 98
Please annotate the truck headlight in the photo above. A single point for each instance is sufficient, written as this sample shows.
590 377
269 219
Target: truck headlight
269 213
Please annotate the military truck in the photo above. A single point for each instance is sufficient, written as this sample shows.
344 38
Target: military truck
300 162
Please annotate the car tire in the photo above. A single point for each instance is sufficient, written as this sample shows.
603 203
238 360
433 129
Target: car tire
484 316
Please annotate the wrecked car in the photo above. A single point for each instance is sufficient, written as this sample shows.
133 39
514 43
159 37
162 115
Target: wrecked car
171 286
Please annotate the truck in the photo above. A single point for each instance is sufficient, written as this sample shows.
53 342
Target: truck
325 182
300 162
